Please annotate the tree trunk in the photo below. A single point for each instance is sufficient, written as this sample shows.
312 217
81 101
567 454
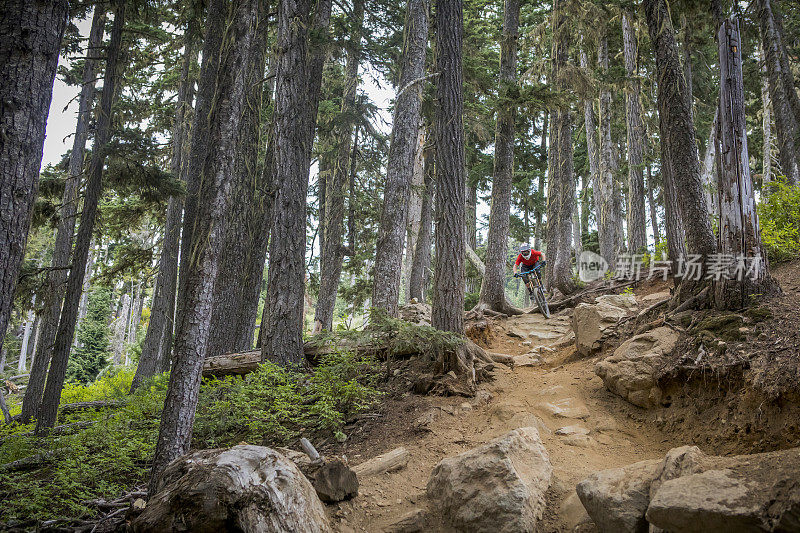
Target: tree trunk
707 168
493 287
673 220
282 324
678 132
333 245
538 211
420 269
56 278
242 235
157 344
22 363
786 123
637 230
448 278
561 186
592 148
584 200
652 203
30 40
405 133
226 73
766 125
317 55
67 322
577 244
739 234
786 69
259 226
608 217
414 216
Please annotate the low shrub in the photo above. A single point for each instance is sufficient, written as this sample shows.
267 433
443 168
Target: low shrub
271 406
779 217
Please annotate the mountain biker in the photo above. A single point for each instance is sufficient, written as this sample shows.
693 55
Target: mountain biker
528 257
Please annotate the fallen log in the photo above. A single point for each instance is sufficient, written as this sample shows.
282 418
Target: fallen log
387 462
34 461
237 364
82 406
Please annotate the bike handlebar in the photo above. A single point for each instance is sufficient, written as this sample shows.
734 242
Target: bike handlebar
536 267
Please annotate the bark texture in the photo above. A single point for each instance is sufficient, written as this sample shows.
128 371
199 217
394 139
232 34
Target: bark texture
493 287
637 230
56 278
651 201
30 39
608 217
405 133
678 131
243 234
317 55
766 125
227 75
782 93
739 233
80 254
333 248
421 265
448 278
561 184
155 356
283 315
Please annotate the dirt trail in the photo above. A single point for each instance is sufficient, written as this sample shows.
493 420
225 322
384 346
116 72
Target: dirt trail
602 431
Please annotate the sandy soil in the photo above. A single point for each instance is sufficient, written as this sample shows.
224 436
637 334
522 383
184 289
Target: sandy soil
561 393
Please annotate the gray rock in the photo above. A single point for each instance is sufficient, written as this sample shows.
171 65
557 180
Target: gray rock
617 498
416 313
690 492
631 371
497 487
335 482
413 521
592 323
759 492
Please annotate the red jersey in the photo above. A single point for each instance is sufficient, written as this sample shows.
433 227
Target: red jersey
532 260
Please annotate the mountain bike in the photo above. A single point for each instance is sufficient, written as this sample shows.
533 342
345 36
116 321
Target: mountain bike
533 281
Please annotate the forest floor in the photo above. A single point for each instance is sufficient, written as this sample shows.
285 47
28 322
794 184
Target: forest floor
563 391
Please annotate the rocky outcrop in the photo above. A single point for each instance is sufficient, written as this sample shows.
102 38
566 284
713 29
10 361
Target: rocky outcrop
631 371
416 313
689 492
244 488
592 323
499 486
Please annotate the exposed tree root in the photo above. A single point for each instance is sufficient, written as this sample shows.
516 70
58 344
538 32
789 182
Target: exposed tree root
507 309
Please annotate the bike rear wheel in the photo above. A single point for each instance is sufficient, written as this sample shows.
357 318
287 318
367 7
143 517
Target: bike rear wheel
541 301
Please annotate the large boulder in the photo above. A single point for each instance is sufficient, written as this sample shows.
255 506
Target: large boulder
497 487
592 323
617 498
689 492
631 371
244 488
758 492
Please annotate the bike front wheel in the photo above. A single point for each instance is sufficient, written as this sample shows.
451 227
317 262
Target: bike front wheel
541 301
